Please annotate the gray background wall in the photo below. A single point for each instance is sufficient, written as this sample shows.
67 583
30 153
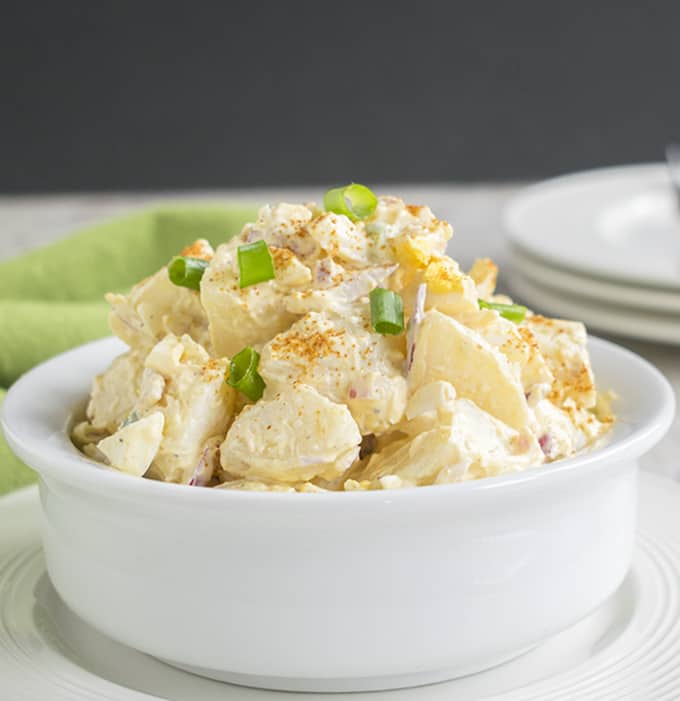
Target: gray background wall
136 95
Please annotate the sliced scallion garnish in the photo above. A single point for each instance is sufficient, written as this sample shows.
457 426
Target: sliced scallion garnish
243 374
511 312
354 201
387 311
187 272
255 264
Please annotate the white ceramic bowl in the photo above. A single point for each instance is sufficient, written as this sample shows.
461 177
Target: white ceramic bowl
337 591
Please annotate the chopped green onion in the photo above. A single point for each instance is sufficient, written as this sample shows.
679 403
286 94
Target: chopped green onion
255 264
243 374
387 311
512 312
187 272
354 201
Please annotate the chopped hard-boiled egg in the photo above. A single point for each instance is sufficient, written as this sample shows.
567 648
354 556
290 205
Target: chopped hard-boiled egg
196 402
133 447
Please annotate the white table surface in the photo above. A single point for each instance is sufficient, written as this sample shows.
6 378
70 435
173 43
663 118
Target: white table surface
474 211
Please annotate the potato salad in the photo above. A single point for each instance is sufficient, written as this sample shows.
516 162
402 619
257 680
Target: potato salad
336 348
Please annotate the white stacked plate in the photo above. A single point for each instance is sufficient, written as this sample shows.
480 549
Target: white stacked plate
602 246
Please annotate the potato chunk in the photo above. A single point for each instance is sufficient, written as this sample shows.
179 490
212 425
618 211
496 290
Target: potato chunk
156 307
345 361
115 391
241 317
563 345
447 350
296 435
464 442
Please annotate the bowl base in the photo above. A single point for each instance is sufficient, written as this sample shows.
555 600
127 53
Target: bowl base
344 684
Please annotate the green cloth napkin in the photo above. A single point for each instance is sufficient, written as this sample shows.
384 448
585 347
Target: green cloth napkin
51 299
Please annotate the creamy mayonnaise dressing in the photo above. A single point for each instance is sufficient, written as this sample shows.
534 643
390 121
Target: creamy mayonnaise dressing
462 393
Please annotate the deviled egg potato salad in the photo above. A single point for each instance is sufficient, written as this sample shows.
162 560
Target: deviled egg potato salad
336 348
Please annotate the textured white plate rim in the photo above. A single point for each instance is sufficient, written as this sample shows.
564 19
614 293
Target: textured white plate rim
592 288
520 235
623 322
46 387
639 653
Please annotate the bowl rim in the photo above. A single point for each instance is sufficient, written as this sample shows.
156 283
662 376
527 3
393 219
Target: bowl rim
61 460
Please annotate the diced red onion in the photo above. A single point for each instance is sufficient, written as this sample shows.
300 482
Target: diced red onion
323 271
545 441
206 465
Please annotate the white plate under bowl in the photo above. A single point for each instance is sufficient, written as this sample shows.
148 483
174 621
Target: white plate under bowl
627 649
618 223
597 289
629 323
